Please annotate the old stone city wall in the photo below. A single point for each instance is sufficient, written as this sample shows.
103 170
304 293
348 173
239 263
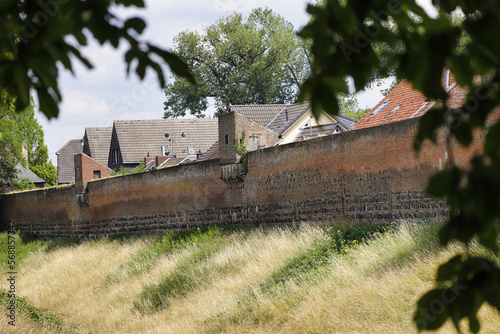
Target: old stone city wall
369 175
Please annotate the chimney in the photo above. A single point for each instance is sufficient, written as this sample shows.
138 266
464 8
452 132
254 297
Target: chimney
341 110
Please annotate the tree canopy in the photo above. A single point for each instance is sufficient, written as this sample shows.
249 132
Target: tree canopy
239 60
37 36
20 131
365 40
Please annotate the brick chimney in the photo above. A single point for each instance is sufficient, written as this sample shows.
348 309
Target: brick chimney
160 160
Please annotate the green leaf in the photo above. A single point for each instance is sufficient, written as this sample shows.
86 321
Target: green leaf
442 183
135 23
177 66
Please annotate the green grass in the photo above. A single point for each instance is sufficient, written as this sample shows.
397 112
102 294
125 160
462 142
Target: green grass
314 279
188 275
43 317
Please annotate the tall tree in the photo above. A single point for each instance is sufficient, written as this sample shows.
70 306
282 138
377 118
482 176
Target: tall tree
345 37
239 60
20 131
39 37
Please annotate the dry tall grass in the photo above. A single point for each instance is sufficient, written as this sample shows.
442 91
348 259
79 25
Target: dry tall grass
371 289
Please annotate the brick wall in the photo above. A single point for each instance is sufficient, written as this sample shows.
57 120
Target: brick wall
87 169
365 175
231 127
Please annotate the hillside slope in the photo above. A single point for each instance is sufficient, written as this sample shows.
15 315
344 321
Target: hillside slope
306 280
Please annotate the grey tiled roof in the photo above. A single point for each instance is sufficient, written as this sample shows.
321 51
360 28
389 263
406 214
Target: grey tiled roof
26 173
345 122
66 162
263 114
315 131
276 117
211 153
99 140
138 138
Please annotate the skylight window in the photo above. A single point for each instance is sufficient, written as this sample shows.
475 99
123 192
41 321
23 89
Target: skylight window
393 110
191 151
446 78
380 108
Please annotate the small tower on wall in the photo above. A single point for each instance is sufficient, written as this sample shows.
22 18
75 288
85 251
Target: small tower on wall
227 137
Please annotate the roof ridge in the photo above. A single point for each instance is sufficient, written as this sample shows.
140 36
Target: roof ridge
67 143
285 105
251 120
257 105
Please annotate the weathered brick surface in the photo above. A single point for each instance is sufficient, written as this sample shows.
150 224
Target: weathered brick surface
86 169
231 128
364 175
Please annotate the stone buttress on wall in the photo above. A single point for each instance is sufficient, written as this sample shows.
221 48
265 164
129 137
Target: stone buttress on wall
364 175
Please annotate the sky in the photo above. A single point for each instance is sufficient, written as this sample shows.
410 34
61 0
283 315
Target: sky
105 93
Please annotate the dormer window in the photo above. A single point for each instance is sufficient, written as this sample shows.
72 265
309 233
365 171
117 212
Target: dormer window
114 156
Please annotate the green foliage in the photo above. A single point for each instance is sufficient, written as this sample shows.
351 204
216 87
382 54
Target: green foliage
239 60
45 317
23 249
351 106
139 168
309 263
18 131
11 139
24 184
39 38
242 150
47 171
346 39
146 258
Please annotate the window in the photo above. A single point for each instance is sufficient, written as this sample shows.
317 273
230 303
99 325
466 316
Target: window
164 150
227 139
114 156
191 151
446 78
256 141
380 108
97 174
393 110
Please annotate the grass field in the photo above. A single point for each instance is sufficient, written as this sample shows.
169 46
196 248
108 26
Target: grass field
312 279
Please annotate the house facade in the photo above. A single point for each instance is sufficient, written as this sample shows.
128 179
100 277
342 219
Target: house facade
96 142
65 160
271 125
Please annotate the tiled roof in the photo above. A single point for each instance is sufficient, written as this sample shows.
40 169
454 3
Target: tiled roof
66 162
137 138
99 140
401 103
171 162
345 123
315 131
211 153
276 117
26 173
263 114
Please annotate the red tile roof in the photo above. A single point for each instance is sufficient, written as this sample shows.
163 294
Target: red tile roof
403 103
